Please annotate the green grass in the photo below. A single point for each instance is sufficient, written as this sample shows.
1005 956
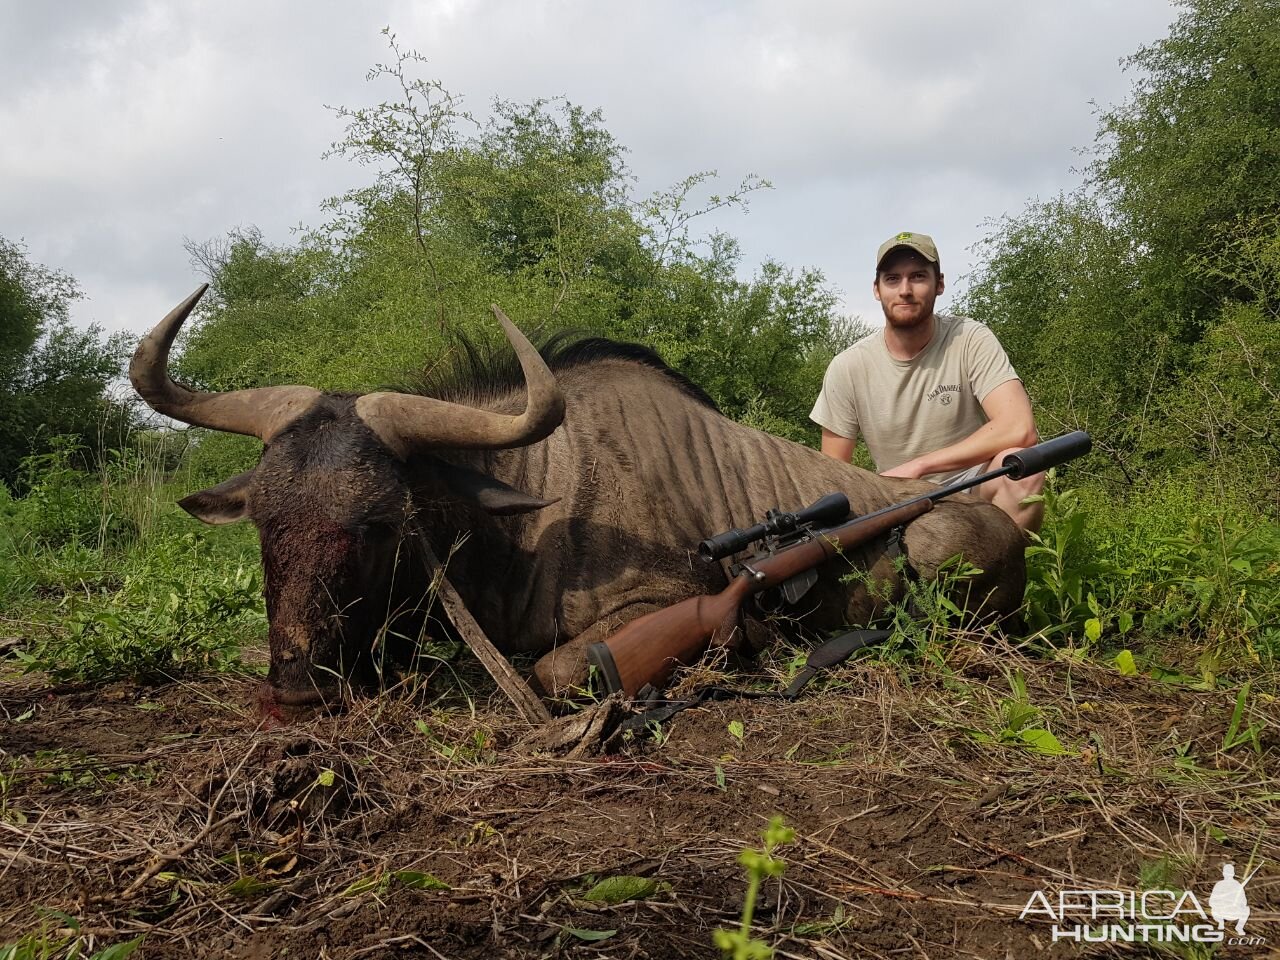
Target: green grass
106 578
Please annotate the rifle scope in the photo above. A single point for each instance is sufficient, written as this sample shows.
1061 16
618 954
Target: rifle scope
830 509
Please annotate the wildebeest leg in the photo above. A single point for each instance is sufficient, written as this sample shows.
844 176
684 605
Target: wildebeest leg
565 667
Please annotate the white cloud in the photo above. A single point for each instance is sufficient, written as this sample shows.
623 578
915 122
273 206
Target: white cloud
130 126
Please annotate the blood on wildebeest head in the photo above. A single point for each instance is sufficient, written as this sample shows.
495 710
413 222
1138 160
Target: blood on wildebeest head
333 500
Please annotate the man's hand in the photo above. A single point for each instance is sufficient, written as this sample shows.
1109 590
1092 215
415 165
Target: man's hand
1010 426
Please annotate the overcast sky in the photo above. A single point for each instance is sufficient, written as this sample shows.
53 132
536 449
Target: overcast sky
128 126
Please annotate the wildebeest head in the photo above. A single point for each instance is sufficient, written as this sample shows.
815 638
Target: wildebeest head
333 497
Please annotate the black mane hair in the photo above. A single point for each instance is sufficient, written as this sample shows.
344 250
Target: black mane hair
472 372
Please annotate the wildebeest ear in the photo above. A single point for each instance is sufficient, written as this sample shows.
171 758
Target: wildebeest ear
225 503
491 494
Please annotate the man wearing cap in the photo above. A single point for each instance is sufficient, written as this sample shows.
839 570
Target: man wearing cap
934 396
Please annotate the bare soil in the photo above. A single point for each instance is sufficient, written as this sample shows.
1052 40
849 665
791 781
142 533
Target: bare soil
432 825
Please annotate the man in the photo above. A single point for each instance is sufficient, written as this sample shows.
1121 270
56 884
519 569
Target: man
935 397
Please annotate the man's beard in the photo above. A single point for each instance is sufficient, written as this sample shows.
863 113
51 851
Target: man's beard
924 310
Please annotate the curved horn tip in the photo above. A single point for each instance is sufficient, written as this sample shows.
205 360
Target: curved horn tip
498 312
155 342
193 299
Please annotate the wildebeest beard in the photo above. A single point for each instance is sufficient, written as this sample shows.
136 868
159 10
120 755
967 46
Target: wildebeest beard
340 605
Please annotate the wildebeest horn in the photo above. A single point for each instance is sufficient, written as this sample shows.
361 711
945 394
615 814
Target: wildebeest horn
261 412
406 422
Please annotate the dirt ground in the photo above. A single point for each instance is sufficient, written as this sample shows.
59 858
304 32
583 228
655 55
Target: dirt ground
430 825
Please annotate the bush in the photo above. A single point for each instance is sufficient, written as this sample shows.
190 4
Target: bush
143 591
1167 561
1204 568
1067 574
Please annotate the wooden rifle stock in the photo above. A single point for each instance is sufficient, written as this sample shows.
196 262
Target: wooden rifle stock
648 649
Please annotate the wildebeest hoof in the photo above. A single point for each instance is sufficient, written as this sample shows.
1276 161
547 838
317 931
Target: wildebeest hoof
590 732
281 708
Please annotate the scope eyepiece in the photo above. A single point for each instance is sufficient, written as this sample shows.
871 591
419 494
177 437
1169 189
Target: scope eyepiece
730 542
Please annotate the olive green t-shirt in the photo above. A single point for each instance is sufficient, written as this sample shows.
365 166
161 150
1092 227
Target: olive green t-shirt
906 408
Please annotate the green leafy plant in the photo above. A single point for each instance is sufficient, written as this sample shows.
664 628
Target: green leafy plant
622 888
1221 579
759 863
475 749
737 731
173 614
927 614
61 504
1065 574
1020 722
48 942
381 880
1238 733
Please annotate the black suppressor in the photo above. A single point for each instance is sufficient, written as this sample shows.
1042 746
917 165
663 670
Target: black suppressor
830 509
1048 454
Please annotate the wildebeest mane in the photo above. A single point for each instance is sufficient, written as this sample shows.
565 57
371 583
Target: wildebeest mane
472 372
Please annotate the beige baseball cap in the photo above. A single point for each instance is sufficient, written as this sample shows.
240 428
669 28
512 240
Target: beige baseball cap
921 243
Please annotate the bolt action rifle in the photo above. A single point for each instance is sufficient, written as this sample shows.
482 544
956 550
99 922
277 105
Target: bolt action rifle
647 650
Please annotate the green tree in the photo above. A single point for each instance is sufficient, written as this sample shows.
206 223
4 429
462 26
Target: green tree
533 210
1197 145
1133 306
53 377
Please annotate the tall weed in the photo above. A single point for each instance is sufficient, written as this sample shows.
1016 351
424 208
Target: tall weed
61 504
1220 581
1067 574
1193 571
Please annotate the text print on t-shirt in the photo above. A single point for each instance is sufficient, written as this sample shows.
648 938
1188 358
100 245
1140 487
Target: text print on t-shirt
942 393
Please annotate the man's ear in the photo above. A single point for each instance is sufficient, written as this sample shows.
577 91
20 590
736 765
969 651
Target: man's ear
875 287
490 493
225 503
942 284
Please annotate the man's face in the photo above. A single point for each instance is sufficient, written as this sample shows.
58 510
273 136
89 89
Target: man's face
907 286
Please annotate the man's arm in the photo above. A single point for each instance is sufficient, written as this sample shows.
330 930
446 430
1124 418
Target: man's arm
1010 424
838 447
